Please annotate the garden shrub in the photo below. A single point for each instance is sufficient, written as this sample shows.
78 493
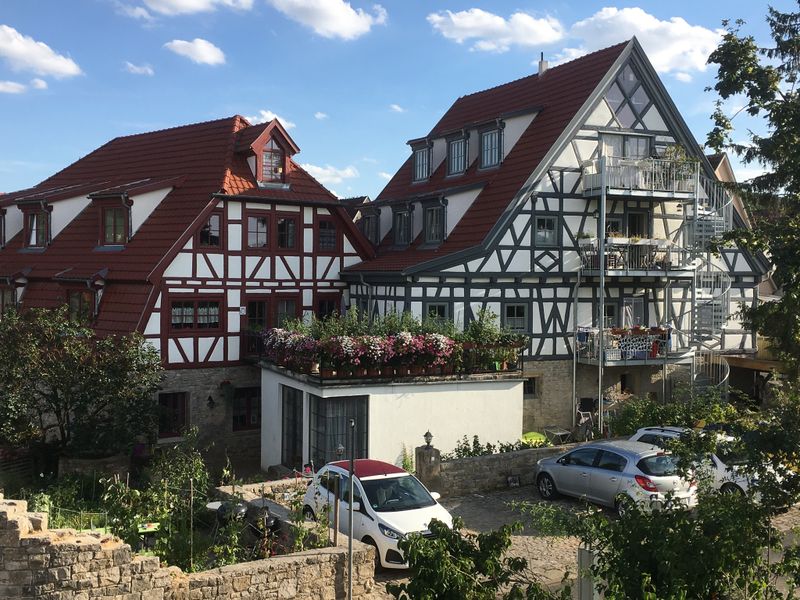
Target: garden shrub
466 448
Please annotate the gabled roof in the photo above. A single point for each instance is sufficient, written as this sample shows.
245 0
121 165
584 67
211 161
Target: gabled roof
557 96
194 162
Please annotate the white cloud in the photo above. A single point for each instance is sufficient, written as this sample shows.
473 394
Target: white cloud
38 84
134 12
673 45
369 159
187 7
328 174
139 69
566 55
320 116
385 175
23 53
11 87
267 115
198 50
396 108
492 33
331 18
684 77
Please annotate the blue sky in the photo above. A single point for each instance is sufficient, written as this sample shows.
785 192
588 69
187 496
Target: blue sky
353 80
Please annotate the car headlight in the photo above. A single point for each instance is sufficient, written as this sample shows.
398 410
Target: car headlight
389 532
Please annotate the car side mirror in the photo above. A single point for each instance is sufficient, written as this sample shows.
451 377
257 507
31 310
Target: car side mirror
564 460
436 496
356 506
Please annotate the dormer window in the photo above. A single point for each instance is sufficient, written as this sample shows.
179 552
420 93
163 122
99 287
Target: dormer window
2 227
401 227
115 226
434 222
490 148
371 228
456 156
37 229
422 164
273 159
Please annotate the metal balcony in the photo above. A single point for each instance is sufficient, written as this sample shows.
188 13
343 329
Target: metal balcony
654 177
636 257
632 346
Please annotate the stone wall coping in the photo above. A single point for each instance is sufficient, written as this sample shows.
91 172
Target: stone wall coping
561 448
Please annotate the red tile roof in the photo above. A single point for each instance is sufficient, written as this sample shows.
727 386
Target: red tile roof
197 161
557 96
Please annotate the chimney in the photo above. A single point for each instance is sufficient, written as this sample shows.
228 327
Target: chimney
542 64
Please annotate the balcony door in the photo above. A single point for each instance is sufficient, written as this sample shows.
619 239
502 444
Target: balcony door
633 311
256 320
638 224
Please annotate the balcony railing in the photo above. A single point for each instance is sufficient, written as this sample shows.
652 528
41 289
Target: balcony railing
640 175
629 254
624 344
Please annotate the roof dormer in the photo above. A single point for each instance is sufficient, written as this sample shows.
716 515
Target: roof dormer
269 148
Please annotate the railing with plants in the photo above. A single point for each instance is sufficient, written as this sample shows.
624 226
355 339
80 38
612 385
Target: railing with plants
634 254
628 343
643 175
392 345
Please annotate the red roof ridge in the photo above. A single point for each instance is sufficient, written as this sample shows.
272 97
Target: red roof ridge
177 127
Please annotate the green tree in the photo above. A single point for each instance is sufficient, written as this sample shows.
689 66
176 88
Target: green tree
764 79
61 383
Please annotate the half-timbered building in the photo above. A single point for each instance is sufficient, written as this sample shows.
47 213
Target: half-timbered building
195 236
577 206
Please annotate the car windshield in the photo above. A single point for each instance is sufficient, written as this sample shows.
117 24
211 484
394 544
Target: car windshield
732 456
658 465
391 494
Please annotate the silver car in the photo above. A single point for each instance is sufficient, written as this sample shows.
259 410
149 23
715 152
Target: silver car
615 474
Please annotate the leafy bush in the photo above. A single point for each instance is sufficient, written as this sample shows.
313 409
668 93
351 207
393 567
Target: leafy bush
466 449
690 412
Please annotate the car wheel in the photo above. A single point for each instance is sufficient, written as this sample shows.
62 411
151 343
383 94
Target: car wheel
547 487
370 542
623 506
731 488
308 513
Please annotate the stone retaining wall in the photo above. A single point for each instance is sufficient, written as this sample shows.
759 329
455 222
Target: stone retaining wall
36 562
480 473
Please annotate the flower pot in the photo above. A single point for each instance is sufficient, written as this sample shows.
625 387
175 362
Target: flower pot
373 372
417 369
326 372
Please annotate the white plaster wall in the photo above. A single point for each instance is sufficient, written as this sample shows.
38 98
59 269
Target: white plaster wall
144 205
515 127
457 206
400 413
14 222
65 211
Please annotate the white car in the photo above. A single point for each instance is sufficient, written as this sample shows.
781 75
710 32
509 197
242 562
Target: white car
389 504
722 466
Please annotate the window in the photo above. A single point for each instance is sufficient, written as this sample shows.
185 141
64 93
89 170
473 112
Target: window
531 387
456 156
610 315
327 240
434 224
257 311
115 226
246 408
613 224
583 457
272 160
626 146
8 299
370 227
36 229
422 158
195 314
515 317
438 311
402 227
490 148
327 305
611 461
546 233
285 309
210 233
287 233
292 428
330 425
81 305
257 232
173 412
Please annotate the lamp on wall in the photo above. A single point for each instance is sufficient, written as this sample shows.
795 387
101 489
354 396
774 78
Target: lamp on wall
339 451
428 437
210 402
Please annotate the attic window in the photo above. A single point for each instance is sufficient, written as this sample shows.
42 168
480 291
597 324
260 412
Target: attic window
272 163
490 148
37 226
371 227
422 164
456 156
402 227
115 226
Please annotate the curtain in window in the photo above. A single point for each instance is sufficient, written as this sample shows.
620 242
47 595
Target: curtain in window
330 424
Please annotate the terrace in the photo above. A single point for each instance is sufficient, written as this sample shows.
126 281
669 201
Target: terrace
623 255
638 345
654 177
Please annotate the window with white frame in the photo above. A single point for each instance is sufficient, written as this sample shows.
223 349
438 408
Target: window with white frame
515 317
272 160
546 232
490 148
438 311
456 156
402 227
434 224
422 164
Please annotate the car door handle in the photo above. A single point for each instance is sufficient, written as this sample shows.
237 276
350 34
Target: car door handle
613 478
584 474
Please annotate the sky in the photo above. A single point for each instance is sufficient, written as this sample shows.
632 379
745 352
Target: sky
352 81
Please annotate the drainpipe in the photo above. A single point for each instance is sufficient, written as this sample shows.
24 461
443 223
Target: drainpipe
601 237
575 349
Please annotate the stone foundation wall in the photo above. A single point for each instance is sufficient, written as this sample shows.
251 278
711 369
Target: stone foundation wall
215 420
480 473
67 565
